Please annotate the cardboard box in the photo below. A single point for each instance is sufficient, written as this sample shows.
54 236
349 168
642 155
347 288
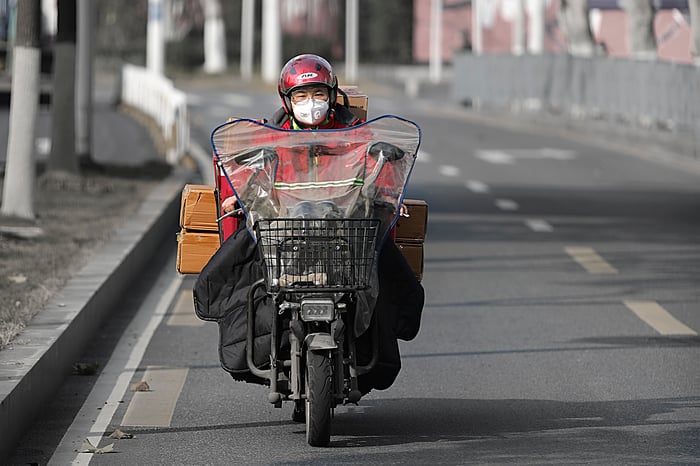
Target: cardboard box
357 101
194 249
198 209
412 228
413 253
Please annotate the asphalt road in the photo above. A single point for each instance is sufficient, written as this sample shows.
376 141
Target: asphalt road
562 279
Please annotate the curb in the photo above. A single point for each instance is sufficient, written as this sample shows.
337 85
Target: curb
32 372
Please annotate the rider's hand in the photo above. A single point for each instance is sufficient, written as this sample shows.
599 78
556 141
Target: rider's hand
403 210
229 204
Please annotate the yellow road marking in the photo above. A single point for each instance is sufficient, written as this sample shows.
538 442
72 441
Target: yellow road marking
590 260
183 313
659 318
155 408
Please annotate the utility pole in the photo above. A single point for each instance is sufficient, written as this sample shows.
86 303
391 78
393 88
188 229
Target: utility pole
155 38
435 62
84 80
247 46
271 41
477 43
18 186
351 40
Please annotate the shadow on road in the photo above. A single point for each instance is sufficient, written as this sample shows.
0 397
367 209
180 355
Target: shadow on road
512 430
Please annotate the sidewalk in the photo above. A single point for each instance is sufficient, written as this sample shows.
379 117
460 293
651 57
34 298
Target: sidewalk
31 372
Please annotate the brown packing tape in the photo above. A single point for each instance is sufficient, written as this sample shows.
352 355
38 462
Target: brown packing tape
198 209
194 249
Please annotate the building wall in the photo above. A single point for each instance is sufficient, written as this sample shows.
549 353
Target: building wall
672 29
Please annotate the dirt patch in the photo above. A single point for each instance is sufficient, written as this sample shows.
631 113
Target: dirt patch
77 216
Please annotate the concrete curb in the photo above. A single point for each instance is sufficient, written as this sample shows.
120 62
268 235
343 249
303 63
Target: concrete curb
33 369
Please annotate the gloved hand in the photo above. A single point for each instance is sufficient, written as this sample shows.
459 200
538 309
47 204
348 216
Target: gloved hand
389 151
257 157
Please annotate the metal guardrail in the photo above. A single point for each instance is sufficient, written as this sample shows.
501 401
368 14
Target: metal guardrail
157 97
648 92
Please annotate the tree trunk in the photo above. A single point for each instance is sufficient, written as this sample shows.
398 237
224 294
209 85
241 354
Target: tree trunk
694 6
214 38
574 15
18 187
641 39
84 80
536 26
63 156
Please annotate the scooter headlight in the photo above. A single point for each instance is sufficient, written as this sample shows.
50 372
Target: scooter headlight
317 309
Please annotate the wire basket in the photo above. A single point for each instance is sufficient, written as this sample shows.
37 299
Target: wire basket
317 253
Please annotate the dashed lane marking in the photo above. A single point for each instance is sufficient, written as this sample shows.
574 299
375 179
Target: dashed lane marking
424 157
590 260
155 408
476 186
659 318
506 204
183 313
449 170
539 225
511 156
494 156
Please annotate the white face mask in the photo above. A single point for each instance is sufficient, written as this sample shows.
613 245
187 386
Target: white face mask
310 111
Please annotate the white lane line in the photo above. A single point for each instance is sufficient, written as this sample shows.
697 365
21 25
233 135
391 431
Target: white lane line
424 156
494 156
539 225
659 318
449 170
476 186
590 260
513 155
114 380
155 408
183 314
506 204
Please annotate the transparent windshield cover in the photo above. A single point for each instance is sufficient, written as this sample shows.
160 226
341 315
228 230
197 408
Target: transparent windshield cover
357 172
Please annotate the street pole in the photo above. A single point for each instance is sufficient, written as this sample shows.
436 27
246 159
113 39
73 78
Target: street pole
271 41
351 40
477 44
155 40
247 30
435 62
84 80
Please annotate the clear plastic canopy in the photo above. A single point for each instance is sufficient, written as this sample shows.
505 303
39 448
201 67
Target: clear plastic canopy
357 172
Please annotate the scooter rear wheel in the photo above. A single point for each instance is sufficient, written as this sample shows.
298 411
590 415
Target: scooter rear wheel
319 396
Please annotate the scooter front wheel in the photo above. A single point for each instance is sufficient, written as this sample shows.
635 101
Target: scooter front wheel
319 396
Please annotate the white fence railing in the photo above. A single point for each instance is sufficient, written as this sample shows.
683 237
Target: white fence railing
157 97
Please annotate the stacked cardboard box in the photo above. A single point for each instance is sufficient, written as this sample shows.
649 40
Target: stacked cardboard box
410 234
357 101
199 238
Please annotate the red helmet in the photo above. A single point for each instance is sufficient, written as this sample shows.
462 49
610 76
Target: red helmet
304 70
